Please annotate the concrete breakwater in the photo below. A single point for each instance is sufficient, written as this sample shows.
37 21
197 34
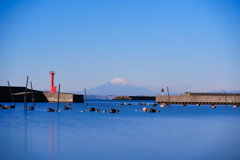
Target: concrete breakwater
39 96
134 98
201 98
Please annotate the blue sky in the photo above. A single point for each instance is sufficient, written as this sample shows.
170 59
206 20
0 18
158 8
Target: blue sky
186 45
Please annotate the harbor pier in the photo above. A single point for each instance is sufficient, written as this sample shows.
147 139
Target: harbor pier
201 98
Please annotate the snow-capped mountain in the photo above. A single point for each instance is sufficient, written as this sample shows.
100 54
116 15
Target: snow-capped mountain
119 86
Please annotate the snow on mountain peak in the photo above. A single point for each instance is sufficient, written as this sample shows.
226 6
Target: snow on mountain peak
120 81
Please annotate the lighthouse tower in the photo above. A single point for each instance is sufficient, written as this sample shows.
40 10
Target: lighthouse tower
52 88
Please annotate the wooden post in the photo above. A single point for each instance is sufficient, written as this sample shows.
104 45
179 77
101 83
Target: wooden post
32 94
58 97
168 98
86 96
25 97
11 93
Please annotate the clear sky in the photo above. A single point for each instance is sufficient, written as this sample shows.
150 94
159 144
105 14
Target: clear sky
186 45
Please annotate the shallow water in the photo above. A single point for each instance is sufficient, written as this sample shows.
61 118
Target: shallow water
177 132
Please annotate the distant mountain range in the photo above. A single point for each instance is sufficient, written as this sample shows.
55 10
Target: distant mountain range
120 86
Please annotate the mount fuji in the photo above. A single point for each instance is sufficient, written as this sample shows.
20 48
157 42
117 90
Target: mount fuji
119 86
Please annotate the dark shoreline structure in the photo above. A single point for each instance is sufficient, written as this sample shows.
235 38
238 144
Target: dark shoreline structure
201 98
135 98
39 96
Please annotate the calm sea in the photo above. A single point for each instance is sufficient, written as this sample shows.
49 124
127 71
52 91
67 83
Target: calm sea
177 132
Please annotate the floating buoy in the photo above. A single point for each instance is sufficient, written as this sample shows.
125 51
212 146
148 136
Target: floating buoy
144 109
91 109
4 107
104 111
158 111
235 106
66 107
214 106
31 108
112 111
82 111
162 105
136 109
152 110
50 110
12 106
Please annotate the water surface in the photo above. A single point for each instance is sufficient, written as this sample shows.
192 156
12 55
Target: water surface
177 132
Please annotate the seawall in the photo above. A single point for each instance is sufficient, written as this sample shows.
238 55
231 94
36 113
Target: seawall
201 98
39 96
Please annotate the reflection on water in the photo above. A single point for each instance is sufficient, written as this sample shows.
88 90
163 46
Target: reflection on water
179 132
25 134
51 137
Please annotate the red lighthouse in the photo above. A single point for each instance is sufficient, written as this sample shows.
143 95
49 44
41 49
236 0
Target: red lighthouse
52 88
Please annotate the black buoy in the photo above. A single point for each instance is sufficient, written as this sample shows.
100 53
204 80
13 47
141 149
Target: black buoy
4 107
12 106
66 107
152 110
50 110
91 109
31 108
112 111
